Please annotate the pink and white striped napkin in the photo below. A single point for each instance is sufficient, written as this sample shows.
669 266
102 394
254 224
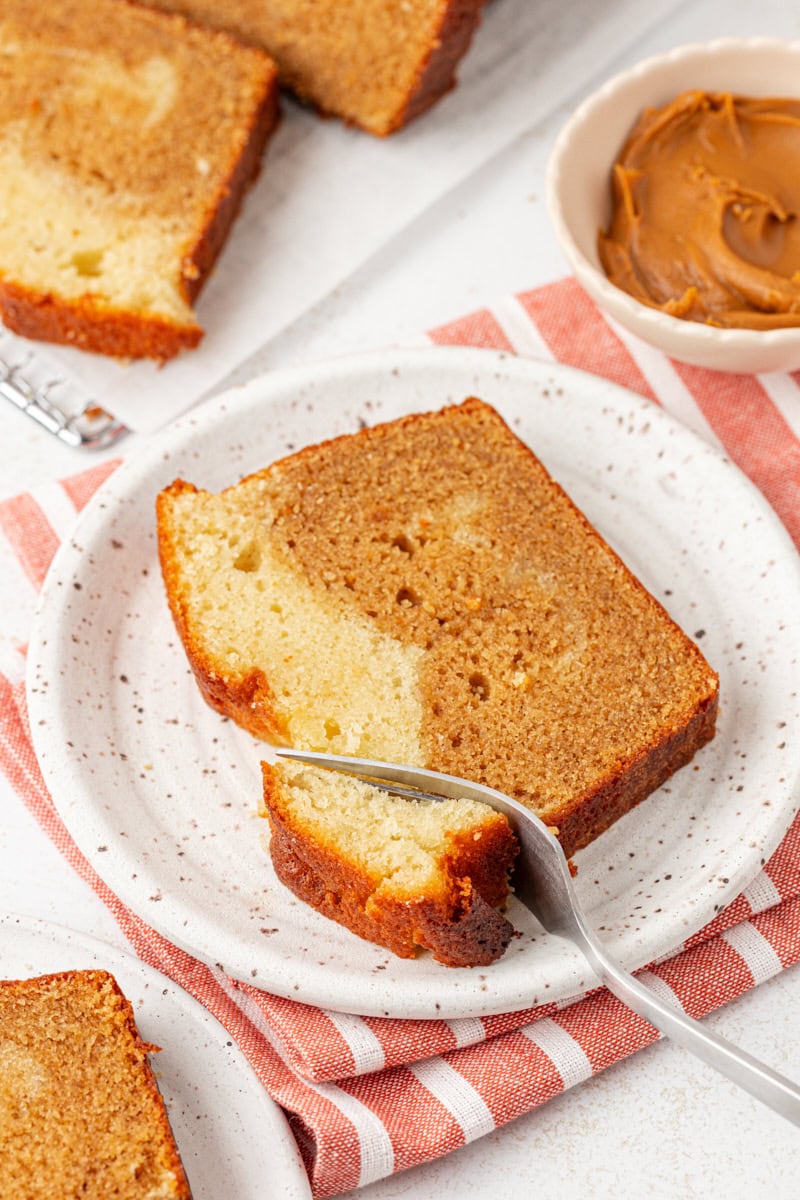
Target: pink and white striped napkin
369 1096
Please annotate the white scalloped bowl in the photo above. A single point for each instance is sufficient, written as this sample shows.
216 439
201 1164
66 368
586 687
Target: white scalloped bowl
579 190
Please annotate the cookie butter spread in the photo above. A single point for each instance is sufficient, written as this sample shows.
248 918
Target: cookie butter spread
706 205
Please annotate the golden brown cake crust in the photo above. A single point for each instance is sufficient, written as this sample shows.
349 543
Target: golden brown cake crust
460 924
46 317
460 20
248 699
201 257
590 815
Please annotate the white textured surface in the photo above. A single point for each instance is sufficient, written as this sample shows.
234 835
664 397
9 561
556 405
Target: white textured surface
659 1126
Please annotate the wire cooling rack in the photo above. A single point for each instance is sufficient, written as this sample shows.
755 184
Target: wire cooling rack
54 403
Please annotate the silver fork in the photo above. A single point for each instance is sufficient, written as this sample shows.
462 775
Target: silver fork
544 885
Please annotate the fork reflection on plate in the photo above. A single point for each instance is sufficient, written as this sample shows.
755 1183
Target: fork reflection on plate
543 883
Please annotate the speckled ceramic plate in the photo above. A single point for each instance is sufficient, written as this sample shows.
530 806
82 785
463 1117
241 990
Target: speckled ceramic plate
233 1140
161 794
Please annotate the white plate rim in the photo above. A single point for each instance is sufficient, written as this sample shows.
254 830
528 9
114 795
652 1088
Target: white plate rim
271 1154
464 1001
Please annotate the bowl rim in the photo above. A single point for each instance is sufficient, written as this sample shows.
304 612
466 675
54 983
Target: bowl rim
592 276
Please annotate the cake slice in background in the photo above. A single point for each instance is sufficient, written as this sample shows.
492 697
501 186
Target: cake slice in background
377 64
80 1111
127 140
424 592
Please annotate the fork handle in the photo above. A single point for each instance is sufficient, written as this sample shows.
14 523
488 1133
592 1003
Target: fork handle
545 887
749 1073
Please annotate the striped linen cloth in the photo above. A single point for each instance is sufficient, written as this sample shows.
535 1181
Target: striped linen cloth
368 1096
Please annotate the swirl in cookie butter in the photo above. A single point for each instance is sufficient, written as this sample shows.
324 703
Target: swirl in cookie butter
705 221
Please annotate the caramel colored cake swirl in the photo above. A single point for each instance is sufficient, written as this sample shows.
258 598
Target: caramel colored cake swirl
424 592
80 1111
127 139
